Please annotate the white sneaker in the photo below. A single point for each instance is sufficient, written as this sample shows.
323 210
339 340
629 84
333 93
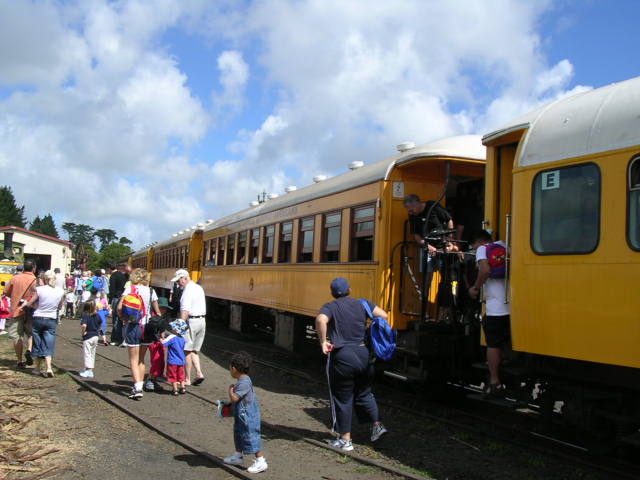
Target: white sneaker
259 465
377 431
83 373
345 445
235 459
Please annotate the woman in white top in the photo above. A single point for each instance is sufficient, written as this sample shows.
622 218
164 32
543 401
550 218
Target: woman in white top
45 320
133 328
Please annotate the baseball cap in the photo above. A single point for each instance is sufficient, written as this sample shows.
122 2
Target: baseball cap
180 274
339 287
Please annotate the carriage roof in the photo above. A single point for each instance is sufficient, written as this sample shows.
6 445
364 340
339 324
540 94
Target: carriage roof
596 121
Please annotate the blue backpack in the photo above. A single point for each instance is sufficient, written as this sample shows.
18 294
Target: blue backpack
382 338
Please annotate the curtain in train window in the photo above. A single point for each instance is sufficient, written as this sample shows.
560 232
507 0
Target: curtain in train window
633 221
566 210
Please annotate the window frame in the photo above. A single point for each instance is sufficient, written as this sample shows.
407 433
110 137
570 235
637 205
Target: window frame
252 240
242 247
301 230
634 160
231 249
265 242
532 211
325 236
283 242
353 235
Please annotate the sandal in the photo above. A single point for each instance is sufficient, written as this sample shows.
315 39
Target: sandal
183 390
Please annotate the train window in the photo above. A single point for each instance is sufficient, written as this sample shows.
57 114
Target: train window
242 247
205 252
362 234
213 245
633 222
566 210
286 236
306 239
267 253
231 247
255 244
221 251
331 237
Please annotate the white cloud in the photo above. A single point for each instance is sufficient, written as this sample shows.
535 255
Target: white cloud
234 74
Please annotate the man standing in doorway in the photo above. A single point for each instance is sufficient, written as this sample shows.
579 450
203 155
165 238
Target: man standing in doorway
193 309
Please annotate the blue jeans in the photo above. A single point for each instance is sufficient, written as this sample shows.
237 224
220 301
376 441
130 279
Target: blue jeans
116 331
44 337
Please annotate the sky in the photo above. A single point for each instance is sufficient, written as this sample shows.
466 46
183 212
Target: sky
150 116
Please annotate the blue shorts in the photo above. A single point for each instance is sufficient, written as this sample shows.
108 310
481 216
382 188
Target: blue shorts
133 334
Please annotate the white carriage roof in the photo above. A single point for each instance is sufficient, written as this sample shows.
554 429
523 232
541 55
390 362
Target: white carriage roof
464 146
600 120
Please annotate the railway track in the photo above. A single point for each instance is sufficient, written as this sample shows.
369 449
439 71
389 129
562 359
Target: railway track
122 405
478 424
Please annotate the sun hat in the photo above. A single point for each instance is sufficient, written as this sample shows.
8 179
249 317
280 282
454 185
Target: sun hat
163 302
179 326
180 274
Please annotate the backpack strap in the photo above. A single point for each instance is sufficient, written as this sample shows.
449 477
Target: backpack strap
367 309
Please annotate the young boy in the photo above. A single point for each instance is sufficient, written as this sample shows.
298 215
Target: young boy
175 355
91 328
246 415
71 300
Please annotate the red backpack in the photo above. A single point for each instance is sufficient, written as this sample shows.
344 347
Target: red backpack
496 255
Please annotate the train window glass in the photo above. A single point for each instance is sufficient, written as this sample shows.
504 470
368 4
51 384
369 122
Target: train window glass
286 236
211 261
231 246
306 239
174 258
255 244
566 210
221 251
183 257
267 254
205 252
633 222
331 240
242 247
362 234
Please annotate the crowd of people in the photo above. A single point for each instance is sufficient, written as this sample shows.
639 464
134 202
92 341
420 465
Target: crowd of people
172 330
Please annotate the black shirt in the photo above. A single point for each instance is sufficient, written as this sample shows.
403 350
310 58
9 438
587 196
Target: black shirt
437 221
116 284
347 321
93 323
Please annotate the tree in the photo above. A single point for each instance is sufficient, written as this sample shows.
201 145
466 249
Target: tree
10 213
106 236
125 241
113 253
45 225
70 228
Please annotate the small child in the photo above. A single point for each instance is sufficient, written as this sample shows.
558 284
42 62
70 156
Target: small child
246 414
71 300
91 324
175 355
104 309
5 311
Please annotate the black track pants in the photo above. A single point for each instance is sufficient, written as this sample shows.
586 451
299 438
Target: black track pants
350 377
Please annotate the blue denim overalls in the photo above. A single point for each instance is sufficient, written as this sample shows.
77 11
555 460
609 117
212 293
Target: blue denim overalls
246 427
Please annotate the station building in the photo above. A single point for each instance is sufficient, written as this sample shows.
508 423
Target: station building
47 252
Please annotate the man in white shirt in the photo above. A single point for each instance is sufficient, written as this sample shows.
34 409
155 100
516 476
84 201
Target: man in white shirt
497 322
193 309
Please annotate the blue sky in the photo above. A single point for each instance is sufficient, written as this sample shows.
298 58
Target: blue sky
150 116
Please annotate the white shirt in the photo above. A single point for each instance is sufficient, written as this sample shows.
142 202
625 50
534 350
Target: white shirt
48 301
146 294
60 280
71 297
86 295
494 288
193 300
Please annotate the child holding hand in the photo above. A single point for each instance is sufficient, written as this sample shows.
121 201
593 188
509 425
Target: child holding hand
246 414
176 358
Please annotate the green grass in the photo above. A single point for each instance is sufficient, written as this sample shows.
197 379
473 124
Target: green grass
342 459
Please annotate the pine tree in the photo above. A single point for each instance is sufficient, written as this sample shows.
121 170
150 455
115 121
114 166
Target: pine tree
10 214
106 236
36 225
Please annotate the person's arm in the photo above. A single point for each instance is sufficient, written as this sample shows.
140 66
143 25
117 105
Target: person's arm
62 301
32 300
321 329
156 309
484 270
232 394
378 312
8 288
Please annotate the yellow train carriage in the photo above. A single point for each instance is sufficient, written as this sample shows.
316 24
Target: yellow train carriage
283 253
183 250
568 176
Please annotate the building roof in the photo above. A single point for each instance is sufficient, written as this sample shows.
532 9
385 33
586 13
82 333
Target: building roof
590 122
35 234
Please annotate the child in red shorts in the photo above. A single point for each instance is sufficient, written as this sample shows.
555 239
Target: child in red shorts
175 355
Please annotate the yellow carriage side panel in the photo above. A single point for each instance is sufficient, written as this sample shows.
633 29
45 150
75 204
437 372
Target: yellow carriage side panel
195 256
577 306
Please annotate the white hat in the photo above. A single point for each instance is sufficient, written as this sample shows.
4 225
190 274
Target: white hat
180 274
102 271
